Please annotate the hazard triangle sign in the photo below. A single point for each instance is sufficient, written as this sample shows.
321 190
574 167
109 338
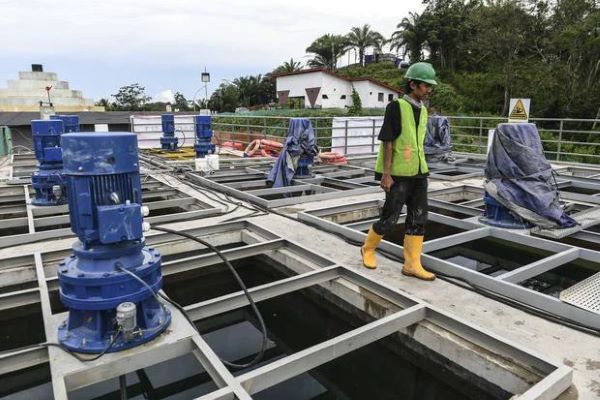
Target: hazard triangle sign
518 110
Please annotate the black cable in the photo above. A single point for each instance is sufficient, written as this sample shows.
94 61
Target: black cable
77 355
184 138
228 200
263 328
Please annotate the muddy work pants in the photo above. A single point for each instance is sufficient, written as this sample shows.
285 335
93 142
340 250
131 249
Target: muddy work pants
413 193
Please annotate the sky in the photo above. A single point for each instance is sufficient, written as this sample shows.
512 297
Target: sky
100 46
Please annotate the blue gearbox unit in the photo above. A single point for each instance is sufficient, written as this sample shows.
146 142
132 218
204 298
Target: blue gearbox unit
204 135
304 168
497 215
168 141
70 122
110 309
48 180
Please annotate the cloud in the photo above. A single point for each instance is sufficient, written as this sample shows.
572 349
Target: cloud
157 41
166 96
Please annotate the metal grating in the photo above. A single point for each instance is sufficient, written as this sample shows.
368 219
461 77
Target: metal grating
585 294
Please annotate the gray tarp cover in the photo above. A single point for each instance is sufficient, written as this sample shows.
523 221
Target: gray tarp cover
300 141
438 143
520 178
438 139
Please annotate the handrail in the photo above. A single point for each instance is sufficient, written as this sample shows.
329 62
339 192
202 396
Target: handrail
559 135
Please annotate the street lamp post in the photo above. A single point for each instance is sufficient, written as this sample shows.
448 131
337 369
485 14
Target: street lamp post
205 77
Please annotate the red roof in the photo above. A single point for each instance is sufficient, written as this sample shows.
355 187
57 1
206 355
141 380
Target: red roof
328 72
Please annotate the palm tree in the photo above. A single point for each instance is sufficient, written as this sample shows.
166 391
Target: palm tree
254 90
327 49
289 66
361 38
410 37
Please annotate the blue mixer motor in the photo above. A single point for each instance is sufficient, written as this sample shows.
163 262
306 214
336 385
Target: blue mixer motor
204 135
109 308
48 180
496 214
70 122
304 167
168 141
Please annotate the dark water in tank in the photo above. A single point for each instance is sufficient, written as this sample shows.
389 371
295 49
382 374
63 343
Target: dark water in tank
491 256
387 369
560 278
495 257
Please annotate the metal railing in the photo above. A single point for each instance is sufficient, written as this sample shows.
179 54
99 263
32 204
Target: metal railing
5 141
572 140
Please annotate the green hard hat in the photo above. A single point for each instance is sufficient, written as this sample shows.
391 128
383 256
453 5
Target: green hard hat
421 71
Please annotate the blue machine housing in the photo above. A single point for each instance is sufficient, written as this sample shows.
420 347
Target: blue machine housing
48 180
204 135
304 167
105 201
70 122
168 141
497 215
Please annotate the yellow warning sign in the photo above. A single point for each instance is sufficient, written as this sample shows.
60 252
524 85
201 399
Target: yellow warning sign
519 110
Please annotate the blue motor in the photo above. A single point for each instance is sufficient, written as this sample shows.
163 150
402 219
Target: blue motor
304 167
101 283
204 135
168 141
70 122
48 180
497 215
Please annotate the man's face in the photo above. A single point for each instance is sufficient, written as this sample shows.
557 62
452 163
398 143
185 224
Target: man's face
421 90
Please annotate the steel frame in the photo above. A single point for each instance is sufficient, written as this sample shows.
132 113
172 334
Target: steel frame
582 183
68 374
465 173
34 218
504 285
23 165
578 171
250 184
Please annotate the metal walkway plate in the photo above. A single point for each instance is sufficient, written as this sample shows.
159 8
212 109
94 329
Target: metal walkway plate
585 294
585 219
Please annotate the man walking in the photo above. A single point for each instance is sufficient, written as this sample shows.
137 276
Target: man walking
402 171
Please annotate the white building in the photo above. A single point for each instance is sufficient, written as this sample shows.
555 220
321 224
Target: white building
25 93
320 88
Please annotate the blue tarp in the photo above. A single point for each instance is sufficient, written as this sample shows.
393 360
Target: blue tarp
438 139
520 178
299 142
438 143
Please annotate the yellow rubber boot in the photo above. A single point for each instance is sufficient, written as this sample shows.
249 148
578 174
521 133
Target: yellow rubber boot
368 249
412 258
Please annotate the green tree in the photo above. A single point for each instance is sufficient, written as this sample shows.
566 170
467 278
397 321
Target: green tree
576 42
327 49
356 107
410 37
445 99
253 90
225 99
181 102
131 98
361 38
104 103
447 23
288 66
502 40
